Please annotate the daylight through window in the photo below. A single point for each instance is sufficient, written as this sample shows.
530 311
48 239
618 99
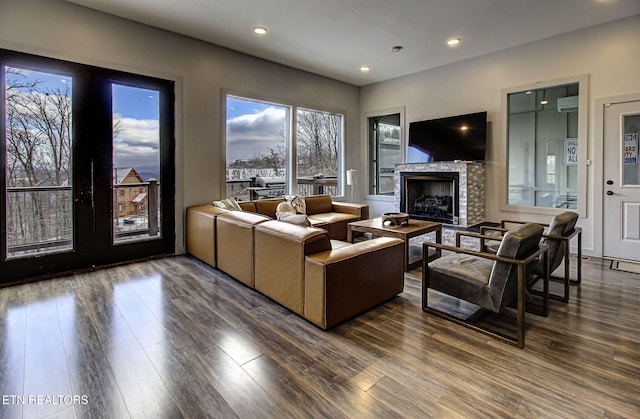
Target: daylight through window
261 147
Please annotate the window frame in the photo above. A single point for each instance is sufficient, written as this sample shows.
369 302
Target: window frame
291 140
502 152
367 147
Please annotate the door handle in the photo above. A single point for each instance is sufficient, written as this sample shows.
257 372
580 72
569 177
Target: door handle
609 193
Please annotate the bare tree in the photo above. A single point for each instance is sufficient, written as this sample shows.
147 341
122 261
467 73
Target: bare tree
38 131
318 135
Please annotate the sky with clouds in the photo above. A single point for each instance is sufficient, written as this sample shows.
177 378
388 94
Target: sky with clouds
253 128
137 140
136 143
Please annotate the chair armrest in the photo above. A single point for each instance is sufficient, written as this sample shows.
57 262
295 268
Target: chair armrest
503 222
490 228
476 236
566 238
541 249
361 210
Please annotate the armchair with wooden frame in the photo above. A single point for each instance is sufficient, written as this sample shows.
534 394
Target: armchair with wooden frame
558 236
491 281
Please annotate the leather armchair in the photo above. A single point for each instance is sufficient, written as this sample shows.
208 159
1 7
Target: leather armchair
558 236
491 281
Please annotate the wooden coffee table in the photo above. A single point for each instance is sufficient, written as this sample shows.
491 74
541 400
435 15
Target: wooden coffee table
415 228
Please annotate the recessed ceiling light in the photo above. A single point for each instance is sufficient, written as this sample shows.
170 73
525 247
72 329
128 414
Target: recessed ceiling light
396 48
454 41
260 30
365 68
544 102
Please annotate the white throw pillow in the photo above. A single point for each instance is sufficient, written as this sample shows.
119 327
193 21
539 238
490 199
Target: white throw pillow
285 207
297 202
298 219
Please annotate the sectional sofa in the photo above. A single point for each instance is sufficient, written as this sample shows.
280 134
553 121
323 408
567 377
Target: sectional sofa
324 280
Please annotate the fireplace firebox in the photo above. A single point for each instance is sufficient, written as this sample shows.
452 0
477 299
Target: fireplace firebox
431 196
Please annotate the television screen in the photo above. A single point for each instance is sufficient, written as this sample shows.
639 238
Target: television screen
462 137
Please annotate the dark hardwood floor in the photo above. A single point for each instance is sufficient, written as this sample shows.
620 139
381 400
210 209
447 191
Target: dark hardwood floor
175 338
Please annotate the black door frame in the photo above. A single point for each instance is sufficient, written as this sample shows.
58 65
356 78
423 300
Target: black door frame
92 171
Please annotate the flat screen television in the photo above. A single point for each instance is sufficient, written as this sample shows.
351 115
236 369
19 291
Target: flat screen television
461 137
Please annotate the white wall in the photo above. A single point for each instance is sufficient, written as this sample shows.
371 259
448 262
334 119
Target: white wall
608 54
57 29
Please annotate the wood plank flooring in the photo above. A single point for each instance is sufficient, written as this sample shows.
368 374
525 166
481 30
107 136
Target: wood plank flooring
175 338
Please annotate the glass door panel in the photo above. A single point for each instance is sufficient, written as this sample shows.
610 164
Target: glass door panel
631 127
136 211
38 173
384 152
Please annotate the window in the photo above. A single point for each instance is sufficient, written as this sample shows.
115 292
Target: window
318 150
384 152
266 158
545 125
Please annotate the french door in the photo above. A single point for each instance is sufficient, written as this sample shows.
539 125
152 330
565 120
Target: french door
87 167
622 181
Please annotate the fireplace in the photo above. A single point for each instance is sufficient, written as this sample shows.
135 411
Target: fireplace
431 196
463 181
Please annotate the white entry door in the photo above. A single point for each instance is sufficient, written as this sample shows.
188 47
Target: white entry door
622 181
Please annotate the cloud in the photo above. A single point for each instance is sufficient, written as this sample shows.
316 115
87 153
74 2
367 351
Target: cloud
254 134
137 144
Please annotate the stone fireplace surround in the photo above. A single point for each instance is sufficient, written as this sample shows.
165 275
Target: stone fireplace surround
470 187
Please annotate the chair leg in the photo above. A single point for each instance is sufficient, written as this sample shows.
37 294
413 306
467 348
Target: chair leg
579 280
521 309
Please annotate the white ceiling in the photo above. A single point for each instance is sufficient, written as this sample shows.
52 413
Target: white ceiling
334 38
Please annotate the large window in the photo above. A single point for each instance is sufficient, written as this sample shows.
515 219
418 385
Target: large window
545 148
267 158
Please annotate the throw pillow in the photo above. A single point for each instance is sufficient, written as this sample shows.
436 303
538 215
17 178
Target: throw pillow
285 207
298 219
229 204
297 202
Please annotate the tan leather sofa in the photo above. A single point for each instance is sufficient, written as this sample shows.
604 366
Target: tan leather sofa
321 211
325 281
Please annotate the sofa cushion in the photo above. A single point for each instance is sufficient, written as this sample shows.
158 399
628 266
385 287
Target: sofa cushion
318 204
268 206
334 222
248 206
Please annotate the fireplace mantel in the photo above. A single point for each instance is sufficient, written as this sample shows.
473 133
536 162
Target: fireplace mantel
470 190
